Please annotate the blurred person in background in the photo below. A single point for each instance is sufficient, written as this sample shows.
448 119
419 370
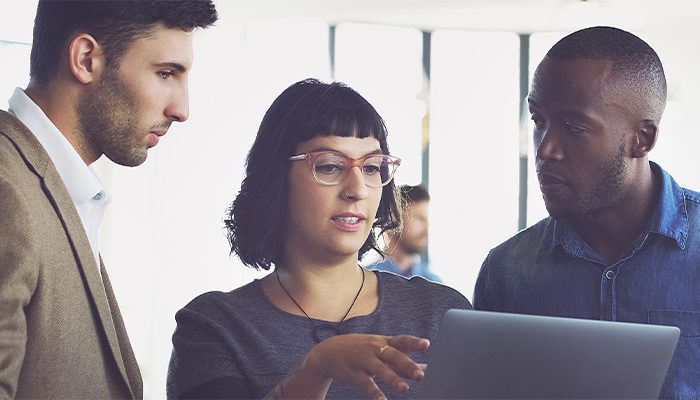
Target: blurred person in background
406 246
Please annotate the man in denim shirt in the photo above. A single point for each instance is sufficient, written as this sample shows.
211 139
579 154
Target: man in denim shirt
622 242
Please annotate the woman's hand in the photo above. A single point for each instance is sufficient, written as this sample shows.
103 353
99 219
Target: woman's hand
359 359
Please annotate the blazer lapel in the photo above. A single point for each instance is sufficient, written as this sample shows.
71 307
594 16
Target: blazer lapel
132 367
63 204
37 158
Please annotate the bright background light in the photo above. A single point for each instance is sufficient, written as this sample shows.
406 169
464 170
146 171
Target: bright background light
163 238
473 150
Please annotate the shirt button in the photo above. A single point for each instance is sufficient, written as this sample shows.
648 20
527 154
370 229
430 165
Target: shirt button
610 274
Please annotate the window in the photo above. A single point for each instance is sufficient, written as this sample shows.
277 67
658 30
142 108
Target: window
473 150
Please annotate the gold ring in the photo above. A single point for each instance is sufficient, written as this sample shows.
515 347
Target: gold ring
381 351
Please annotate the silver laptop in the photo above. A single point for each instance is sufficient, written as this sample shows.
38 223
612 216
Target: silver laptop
486 355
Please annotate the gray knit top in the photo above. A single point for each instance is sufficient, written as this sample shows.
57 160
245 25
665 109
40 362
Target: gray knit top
239 345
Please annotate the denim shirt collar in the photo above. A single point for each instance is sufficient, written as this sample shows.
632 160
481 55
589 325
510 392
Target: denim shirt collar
670 218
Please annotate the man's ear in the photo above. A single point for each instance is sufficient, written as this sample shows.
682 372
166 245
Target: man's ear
85 58
645 138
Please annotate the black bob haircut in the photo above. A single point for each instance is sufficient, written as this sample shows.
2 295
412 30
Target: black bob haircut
307 109
634 62
114 24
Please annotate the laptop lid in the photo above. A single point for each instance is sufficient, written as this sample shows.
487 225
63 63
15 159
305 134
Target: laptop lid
487 355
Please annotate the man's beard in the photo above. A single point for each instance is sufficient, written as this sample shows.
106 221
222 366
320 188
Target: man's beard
411 247
107 117
609 186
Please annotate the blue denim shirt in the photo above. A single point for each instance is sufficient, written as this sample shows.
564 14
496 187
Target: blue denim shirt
418 268
548 269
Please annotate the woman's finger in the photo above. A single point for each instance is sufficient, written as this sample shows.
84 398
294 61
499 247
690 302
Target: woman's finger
384 372
370 387
408 343
400 363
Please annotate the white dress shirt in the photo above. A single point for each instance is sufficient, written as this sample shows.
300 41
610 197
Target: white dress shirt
84 187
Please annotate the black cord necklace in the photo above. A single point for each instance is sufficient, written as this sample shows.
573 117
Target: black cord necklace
325 330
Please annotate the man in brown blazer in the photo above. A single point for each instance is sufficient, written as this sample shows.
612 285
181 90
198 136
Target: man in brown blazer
107 77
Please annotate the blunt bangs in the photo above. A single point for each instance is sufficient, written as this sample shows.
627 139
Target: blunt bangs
338 111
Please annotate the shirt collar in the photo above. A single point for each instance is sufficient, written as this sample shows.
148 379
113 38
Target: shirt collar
670 218
80 180
560 233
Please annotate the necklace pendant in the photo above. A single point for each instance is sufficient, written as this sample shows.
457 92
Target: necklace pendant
324 331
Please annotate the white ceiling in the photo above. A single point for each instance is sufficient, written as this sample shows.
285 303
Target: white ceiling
522 16
510 15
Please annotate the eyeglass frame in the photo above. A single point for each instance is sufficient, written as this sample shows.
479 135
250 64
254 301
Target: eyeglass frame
312 156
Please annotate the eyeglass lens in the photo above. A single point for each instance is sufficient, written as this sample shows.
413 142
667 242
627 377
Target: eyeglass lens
331 169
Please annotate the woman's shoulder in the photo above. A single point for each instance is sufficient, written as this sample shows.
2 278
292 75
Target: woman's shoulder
216 302
419 290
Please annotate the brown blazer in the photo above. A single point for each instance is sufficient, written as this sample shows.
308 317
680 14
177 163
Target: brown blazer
61 332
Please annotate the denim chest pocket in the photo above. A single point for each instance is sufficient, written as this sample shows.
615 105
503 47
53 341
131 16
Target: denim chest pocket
683 378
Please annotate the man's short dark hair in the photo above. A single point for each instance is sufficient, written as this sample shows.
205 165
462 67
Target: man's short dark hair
413 194
305 110
634 62
114 24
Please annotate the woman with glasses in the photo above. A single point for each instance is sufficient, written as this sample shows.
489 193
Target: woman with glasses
318 186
